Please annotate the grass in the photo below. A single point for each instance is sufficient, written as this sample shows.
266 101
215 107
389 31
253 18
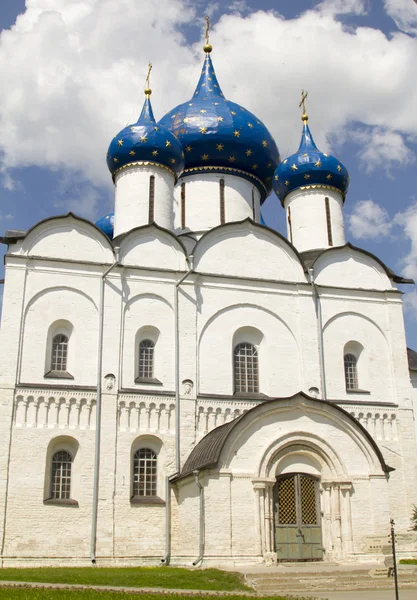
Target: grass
37 594
408 561
164 577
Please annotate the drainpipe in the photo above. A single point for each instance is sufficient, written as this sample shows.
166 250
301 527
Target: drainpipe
202 520
98 409
319 320
167 556
177 366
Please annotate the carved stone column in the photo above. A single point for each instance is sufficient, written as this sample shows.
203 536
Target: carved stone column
265 518
327 532
347 534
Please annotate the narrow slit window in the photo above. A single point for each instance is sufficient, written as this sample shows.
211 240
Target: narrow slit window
246 371
289 223
146 359
183 205
351 372
328 222
61 475
59 353
222 207
253 205
151 199
144 472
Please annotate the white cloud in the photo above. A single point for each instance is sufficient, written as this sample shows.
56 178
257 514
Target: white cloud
410 303
408 221
382 147
369 220
404 14
75 70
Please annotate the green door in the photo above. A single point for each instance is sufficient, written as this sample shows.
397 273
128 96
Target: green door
297 518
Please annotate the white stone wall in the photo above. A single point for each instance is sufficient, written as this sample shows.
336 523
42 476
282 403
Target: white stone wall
306 215
131 205
202 201
247 282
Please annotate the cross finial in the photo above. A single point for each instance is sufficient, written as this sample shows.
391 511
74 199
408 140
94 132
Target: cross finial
303 105
148 90
207 46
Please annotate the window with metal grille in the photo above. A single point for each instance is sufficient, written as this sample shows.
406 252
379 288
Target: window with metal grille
144 472
146 356
351 371
61 475
246 371
59 352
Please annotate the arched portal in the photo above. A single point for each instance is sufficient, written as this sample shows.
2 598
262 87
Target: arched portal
297 517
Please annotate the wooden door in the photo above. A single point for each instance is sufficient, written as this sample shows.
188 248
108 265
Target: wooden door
297 518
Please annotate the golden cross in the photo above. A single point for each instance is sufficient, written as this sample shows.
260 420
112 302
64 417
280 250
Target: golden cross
148 75
207 29
303 99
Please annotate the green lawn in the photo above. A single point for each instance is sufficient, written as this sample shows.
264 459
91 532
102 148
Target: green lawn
33 594
164 577
408 561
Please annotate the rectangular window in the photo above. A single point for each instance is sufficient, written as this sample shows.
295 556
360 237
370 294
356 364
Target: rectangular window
329 222
222 209
151 199
289 223
183 205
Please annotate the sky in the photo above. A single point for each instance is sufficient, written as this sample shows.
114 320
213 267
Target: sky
73 74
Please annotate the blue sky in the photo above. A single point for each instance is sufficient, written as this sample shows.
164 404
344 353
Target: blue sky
73 73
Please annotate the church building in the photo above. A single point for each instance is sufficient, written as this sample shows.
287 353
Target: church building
181 384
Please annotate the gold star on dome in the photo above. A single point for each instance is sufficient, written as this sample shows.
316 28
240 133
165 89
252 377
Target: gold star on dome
232 159
173 161
236 133
339 168
209 78
186 120
276 177
329 176
167 143
210 90
120 142
203 129
173 116
132 153
219 147
264 143
232 112
220 119
306 176
143 138
116 160
203 110
217 104
294 167
205 157
269 165
318 163
305 154
287 183
188 149
248 152
203 85
155 153
250 125
156 128
215 85
255 166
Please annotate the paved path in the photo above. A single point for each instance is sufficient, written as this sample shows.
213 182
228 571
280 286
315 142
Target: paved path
366 595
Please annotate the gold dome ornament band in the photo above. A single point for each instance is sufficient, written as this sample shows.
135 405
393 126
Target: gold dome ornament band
302 104
207 46
148 90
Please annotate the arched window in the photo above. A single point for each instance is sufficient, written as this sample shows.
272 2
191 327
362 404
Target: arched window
61 475
144 472
146 359
246 372
59 355
351 372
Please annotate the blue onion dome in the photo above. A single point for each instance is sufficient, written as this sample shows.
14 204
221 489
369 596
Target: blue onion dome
145 143
106 224
309 168
221 136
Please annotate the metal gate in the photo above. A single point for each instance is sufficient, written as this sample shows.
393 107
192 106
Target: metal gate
297 518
